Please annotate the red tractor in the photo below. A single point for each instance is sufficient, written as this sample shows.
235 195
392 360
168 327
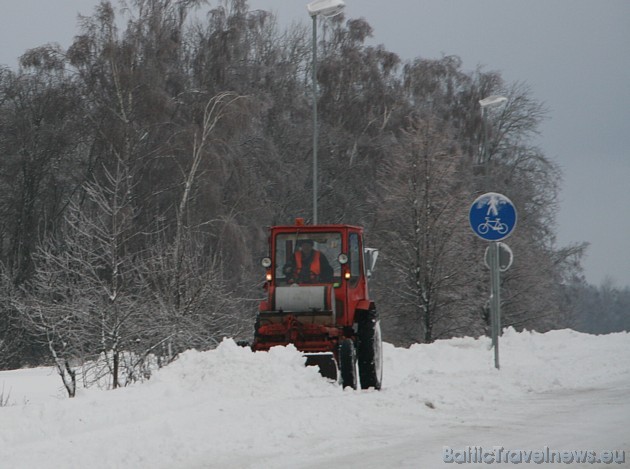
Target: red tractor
317 300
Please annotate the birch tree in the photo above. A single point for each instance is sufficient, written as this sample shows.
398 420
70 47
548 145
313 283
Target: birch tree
420 227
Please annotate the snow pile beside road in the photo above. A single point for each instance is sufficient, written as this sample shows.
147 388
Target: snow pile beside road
236 372
233 408
460 372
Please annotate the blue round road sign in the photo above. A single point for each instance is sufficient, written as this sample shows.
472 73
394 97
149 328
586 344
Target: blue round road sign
492 216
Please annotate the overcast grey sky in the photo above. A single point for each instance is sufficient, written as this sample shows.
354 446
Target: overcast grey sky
575 55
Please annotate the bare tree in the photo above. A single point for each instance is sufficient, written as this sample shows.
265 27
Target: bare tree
83 292
420 226
40 166
185 280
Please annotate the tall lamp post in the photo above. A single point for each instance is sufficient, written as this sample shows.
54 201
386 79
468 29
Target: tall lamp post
326 8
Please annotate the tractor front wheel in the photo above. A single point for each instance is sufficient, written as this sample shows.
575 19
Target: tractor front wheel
348 364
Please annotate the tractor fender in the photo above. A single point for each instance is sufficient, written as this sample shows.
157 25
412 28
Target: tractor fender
365 305
365 309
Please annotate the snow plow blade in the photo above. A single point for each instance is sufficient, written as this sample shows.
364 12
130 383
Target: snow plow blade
326 363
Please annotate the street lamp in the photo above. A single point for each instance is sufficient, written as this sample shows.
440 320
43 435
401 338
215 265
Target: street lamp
490 101
326 8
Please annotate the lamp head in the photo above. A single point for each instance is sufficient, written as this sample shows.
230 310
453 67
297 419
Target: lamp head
492 101
325 7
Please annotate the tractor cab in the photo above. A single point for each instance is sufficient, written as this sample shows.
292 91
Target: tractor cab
317 299
307 258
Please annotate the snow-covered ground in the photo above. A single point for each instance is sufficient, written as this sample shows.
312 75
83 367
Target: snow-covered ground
231 408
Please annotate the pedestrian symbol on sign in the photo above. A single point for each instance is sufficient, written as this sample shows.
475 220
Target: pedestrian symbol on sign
493 206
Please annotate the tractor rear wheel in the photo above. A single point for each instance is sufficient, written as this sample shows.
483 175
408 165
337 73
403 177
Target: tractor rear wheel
370 355
348 364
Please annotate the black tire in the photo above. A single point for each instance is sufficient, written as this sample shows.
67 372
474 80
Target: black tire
348 364
370 354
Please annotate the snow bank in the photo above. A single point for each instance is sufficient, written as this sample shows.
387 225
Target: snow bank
461 371
233 408
233 372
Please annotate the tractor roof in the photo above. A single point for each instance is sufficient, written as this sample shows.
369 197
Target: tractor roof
300 226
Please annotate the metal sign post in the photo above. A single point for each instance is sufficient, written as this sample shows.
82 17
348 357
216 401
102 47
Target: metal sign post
498 258
495 298
492 217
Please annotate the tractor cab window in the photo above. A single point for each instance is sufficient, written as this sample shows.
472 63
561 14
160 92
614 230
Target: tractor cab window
307 258
355 258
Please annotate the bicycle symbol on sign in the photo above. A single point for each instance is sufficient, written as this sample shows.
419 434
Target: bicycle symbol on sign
494 225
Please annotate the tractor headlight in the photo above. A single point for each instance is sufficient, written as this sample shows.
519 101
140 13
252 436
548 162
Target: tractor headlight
266 262
343 258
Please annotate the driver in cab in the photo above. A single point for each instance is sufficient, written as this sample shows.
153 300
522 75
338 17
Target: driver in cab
308 265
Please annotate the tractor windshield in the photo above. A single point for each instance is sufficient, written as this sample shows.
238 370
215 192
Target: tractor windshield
304 258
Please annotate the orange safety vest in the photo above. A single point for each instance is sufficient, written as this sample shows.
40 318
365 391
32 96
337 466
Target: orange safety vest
315 267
